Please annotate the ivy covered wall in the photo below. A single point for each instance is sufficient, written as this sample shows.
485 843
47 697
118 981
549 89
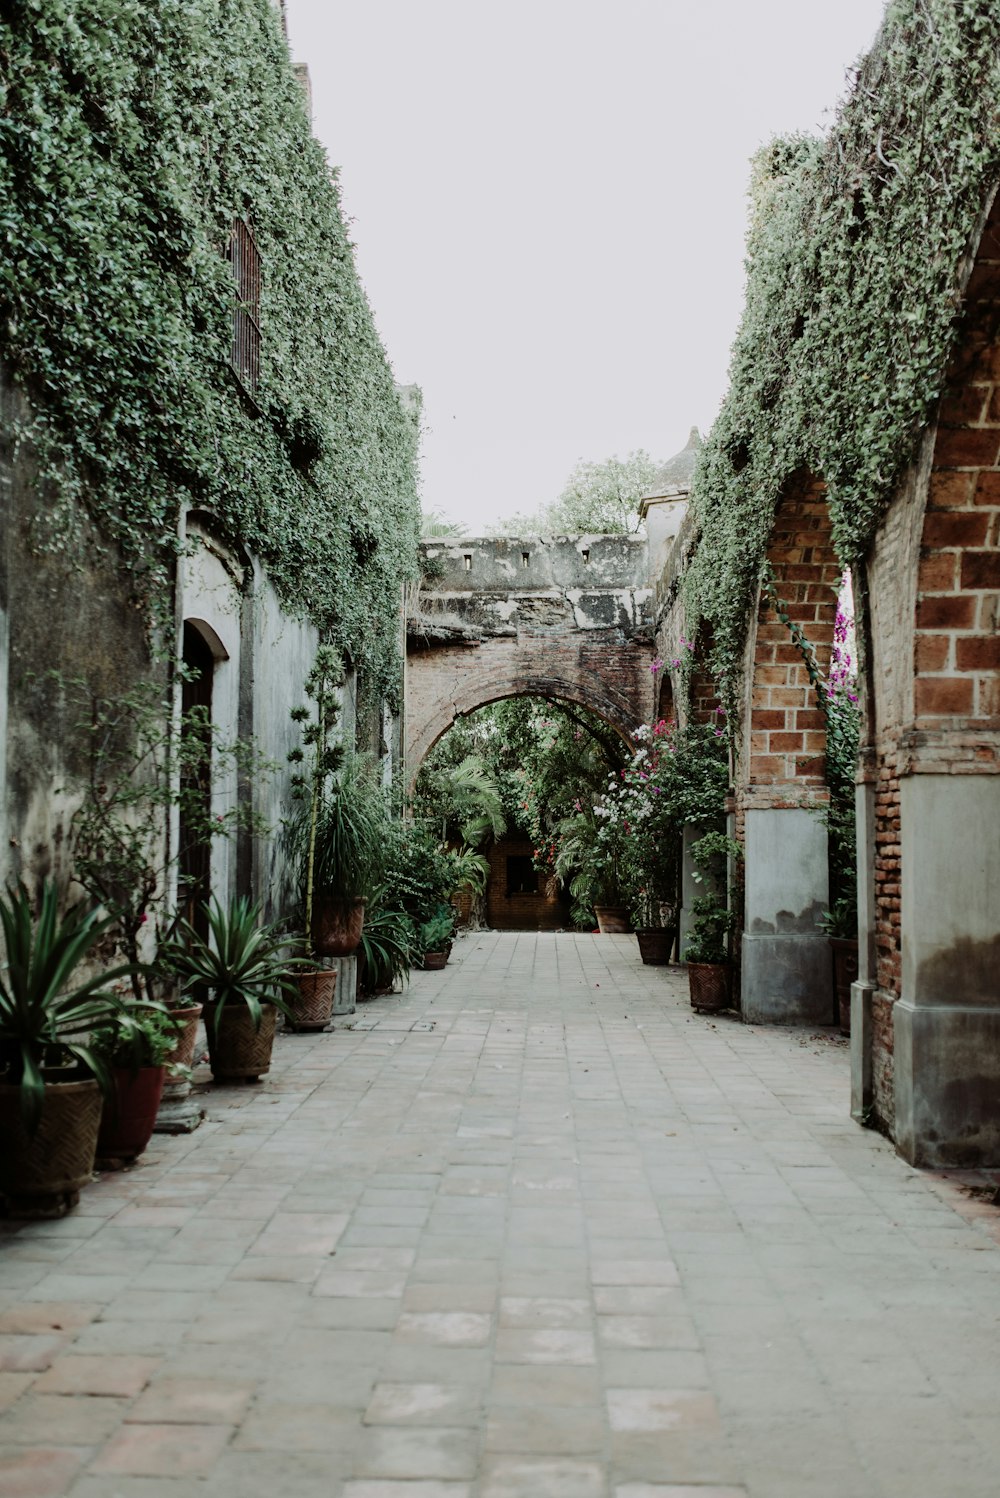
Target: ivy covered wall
131 136
854 282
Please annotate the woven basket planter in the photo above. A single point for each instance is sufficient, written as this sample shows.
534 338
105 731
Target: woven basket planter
337 926
237 1051
311 1006
41 1174
433 962
709 986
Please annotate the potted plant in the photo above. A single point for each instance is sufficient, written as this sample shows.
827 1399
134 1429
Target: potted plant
707 949
334 837
840 923
434 938
387 949
135 1047
248 969
50 1078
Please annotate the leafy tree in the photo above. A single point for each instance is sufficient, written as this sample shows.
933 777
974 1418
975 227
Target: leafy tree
602 498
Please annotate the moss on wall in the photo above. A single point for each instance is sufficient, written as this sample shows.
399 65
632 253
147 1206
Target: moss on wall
854 282
131 136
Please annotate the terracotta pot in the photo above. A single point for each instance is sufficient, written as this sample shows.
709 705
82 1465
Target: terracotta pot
613 919
236 1050
311 1007
433 962
656 944
845 970
709 986
337 926
41 1175
127 1119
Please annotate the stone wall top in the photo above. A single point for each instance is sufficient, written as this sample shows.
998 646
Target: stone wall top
503 564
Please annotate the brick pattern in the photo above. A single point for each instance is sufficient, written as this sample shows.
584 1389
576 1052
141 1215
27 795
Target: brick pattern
787 731
957 639
544 911
598 668
888 931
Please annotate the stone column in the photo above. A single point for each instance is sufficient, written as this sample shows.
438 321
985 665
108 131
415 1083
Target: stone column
946 1024
787 968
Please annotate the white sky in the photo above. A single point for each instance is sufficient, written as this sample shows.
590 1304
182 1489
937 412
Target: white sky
548 200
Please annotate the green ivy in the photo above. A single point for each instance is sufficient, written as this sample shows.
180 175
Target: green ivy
131 135
852 303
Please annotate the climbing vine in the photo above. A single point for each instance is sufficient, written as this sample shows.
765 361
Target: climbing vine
131 136
853 293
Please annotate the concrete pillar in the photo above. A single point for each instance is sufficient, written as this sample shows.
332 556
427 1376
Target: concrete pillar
862 1034
346 992
946 1025
787 969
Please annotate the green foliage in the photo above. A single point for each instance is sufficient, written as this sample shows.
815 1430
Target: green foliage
388 946
350 831
418 874
131 136
242 962
141 776
463 799
852 262
46 1009
714 912
598 498
435 933
135 1038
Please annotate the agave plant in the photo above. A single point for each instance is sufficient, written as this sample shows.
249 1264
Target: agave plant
44 1013
244 961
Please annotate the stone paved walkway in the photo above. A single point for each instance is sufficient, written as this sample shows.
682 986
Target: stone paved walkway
532 1231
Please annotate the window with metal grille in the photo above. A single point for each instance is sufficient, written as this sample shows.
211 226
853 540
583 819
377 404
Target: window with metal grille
245 259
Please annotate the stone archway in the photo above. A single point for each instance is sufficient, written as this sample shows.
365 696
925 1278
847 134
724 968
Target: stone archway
567 618
932 1040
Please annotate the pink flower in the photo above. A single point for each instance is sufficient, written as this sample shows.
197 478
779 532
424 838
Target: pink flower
656 666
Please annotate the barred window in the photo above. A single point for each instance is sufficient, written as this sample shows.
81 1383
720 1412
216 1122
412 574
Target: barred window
245 259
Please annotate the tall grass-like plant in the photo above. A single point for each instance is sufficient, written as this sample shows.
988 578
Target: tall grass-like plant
45 1011
243 961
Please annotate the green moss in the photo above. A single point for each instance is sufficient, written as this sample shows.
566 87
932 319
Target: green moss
853 294
131 135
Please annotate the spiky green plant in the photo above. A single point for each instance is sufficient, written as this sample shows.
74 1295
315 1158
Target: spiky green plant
243 961
44 1011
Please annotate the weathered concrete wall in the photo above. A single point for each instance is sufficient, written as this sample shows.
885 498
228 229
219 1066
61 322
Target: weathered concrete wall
66 608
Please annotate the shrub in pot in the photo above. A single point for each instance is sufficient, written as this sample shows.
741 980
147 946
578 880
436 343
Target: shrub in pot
707 948
50 1078
335 838
387 949
135 1047
434 938
248 970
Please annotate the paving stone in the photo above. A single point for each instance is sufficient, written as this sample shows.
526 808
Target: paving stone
163 1450
97 1373
197 1401
61 1420
561 1241
39 1471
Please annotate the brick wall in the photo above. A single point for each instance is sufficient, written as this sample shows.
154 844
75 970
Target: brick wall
957 641
544 911
600 669
786 743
